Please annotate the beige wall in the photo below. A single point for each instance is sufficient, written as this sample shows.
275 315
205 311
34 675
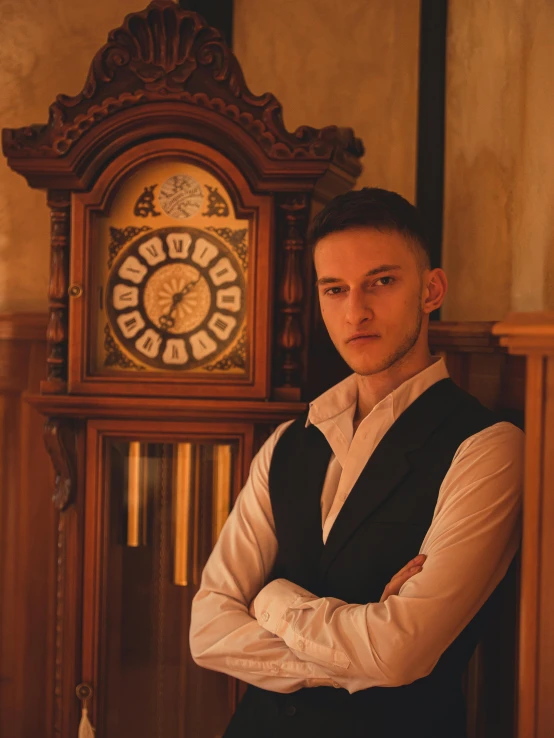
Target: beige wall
341 62
499 178
46 48
352 63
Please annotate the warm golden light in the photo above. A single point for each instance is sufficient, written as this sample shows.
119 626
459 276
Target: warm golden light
136 497
221 489
181 512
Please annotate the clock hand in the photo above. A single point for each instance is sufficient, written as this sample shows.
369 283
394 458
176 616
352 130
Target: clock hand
166 320
178 296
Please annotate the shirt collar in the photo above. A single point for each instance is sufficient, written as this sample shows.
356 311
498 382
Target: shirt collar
342 397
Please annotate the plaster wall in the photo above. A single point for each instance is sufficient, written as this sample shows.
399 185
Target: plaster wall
341 62
47 47
351 63
498 246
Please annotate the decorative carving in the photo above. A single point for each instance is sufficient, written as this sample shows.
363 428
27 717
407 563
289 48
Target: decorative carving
236 239
59 438
216 203
114 355
165 53
235 359
121 236
144 206
291 289
56 332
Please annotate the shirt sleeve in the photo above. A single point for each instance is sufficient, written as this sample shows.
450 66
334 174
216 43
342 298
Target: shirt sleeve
224 635
472 539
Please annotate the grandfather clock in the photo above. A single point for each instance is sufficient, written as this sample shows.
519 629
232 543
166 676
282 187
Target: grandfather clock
180 323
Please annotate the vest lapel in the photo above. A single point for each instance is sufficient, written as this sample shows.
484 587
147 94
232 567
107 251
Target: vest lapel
390 463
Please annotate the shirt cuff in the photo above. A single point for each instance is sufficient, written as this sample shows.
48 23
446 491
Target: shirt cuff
273 601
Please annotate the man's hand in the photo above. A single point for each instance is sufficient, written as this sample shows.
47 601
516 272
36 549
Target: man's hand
412 567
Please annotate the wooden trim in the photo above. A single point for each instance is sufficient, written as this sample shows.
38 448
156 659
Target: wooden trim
527 333
23 326
152 408
463 335
532 335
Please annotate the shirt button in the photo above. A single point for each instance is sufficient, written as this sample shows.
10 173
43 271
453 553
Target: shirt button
265 616
290 710
336 686
301 645
274 668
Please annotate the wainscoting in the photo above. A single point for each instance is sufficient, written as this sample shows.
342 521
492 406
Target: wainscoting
478 363
27 536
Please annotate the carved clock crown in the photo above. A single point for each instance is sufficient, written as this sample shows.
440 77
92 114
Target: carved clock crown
167 54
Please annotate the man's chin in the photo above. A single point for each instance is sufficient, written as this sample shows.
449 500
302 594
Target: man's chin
366 366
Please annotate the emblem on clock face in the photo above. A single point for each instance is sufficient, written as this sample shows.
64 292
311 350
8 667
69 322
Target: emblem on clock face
176 298
181 196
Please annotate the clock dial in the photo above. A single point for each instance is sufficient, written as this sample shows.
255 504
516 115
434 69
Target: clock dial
176 298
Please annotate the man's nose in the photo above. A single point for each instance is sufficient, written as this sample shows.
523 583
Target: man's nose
358 308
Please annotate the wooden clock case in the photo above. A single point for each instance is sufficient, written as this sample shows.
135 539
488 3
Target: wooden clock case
165 84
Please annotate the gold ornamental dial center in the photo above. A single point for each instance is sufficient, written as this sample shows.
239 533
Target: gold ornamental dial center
177 298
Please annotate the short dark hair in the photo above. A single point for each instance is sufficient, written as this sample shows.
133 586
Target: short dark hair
371 207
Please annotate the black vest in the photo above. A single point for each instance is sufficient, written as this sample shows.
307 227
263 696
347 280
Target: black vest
379 529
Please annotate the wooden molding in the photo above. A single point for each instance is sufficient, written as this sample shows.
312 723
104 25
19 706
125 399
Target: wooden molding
474 336
527 333
152 408
532 335
23 326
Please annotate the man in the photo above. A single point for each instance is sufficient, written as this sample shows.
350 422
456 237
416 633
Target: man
302 596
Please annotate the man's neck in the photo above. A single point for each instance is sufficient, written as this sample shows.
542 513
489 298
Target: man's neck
375 387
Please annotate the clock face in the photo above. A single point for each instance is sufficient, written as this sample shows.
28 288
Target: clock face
175 298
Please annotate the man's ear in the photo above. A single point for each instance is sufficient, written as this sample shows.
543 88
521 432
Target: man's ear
435 290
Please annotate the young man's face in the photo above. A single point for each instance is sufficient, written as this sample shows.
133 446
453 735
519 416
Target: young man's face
372 293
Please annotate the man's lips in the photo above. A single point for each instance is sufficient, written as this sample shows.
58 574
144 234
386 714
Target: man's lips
359 337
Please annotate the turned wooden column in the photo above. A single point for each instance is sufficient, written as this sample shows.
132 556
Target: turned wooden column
532 335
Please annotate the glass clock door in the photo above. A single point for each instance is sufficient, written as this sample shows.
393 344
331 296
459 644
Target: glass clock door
162 503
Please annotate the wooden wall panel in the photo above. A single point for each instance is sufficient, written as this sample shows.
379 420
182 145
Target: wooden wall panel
27 535
478 363
531 336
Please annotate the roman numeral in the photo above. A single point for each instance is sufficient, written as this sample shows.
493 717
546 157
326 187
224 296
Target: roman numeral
179 245
126 296
151 249
221 324
227 298
174 352
148 343
130 323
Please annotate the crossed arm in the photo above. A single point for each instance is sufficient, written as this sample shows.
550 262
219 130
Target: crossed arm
281 637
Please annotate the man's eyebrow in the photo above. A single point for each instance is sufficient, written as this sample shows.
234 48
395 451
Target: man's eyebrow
371 273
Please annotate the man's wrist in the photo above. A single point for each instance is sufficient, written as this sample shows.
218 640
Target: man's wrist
273 601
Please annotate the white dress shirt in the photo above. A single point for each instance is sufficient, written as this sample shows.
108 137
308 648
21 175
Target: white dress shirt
280 637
